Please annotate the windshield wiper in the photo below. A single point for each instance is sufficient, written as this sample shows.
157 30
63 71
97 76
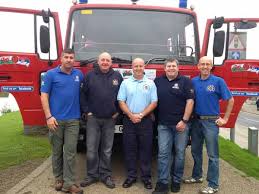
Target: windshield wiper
121 60
186 60
156 59
94 61
86 62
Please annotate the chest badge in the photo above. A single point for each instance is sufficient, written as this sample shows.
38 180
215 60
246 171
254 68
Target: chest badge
77 78
115 82
145 87
211 88
176 86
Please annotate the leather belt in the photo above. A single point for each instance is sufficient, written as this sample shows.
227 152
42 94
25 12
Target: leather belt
207 117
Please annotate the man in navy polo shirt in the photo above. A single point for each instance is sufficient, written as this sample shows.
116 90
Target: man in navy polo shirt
137 99
99 104
60 91
175 105
209 89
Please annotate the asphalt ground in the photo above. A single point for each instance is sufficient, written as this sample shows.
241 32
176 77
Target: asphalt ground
232 181
41 181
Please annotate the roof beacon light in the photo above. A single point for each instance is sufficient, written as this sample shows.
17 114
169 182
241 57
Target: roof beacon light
183 3
134 2
83 1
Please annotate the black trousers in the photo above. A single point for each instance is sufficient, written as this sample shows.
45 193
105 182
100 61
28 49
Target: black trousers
137 141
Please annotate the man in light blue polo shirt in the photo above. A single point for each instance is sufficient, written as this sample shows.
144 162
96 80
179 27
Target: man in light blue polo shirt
60 91
137 98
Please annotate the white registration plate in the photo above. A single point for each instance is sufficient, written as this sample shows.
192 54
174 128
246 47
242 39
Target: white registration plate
118 129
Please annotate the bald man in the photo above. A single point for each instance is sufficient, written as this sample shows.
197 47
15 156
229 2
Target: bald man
100 108
209 89
137 99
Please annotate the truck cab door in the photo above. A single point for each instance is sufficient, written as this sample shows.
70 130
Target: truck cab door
233 46
30 44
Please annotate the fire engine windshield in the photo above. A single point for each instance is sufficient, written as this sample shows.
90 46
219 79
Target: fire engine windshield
127 34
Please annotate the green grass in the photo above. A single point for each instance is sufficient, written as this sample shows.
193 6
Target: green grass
4 94
15 147
240 158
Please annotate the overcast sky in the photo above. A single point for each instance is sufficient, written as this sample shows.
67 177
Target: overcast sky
204 8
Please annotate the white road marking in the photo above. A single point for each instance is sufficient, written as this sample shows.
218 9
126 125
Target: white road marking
251 120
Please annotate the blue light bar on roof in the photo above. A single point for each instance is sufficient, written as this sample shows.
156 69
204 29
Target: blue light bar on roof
83 1
183 3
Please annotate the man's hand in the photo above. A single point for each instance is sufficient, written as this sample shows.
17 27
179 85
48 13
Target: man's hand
115 115
85 115
180 126
221 121
135 118
52 124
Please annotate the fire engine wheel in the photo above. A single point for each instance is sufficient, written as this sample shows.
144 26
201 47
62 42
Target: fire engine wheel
81 147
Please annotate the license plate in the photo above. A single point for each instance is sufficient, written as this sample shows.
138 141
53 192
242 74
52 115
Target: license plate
118 129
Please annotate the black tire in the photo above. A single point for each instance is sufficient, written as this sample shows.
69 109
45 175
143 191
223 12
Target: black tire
81 143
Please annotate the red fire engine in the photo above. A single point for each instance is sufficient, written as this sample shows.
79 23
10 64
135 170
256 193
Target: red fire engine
126 31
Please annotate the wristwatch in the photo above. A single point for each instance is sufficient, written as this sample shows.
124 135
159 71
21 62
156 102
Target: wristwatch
141 115
185 121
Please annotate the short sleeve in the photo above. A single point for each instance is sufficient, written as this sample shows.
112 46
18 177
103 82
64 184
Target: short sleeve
189 91
122 94
224 91
46 83
153 92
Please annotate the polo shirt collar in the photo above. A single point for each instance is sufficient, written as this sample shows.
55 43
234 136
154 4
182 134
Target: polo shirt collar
138 80
205 79
177 77
58 68
98 71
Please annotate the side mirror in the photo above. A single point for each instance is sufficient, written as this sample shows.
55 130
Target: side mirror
218 22
244 24
44 39
45 15
218 44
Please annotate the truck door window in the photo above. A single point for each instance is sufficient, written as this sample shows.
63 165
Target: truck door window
243 43
17 32
217 60
53 41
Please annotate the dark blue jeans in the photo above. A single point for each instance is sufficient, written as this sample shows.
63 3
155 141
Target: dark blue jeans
137 140
169 138
205 130
99 141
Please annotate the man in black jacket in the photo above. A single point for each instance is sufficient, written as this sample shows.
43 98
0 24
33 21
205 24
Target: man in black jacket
99 105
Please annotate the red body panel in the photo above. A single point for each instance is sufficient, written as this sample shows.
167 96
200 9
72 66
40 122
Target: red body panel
28 77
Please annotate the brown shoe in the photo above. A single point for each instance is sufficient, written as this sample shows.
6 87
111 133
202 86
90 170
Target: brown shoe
74 189
59 185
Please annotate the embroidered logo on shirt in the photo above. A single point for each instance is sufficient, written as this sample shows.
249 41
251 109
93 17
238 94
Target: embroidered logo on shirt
210 88
115 82
77 78
175 86
145 87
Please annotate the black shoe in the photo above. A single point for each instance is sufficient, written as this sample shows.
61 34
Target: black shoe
175 187
128 183
88 181
147 184
161 188
108 182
